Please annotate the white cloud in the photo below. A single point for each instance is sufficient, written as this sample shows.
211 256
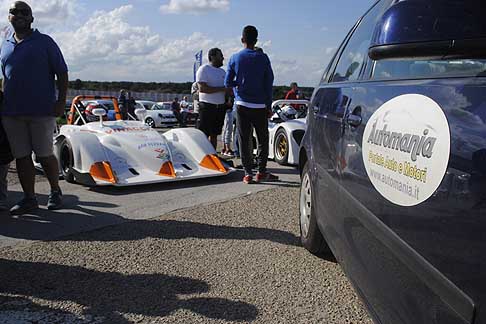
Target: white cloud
330 50
194 6
48 14
106 47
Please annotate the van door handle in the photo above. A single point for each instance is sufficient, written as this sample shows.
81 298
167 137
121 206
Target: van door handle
315 109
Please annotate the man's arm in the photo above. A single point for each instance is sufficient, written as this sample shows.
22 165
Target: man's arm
204 88
229 80
268 83
62 87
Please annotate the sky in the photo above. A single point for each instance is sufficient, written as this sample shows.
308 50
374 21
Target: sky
156 40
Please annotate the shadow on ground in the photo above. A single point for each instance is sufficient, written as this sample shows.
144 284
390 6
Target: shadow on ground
79 217
108 294
176 230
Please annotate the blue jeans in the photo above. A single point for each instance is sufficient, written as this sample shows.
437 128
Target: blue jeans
228 127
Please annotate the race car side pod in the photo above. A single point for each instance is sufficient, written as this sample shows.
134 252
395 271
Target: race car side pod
118 115
167 170
103 171
212 162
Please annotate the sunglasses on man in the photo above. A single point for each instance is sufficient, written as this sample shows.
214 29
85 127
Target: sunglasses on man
17 12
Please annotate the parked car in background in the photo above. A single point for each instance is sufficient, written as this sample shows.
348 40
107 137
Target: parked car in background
155 114
147 104
393 162
286 129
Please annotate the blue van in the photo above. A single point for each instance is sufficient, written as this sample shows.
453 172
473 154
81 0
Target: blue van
393 162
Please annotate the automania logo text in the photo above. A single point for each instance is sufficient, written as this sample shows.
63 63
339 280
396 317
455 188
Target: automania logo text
414 144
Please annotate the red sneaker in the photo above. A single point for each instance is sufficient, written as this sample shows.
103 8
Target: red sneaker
265 176
248 179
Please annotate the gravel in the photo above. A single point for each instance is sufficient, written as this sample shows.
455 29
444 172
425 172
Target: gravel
236 261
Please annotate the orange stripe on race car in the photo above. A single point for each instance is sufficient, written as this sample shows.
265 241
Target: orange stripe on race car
212 162
103 171
167 170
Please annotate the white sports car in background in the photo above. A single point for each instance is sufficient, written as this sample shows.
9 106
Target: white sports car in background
123 153
286 129
156 115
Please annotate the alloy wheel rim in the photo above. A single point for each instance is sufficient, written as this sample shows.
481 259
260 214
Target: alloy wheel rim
282 146
305 204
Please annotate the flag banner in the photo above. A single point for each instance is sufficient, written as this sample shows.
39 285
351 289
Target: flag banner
197 63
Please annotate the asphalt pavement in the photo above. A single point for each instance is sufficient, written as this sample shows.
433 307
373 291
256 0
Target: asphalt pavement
222 252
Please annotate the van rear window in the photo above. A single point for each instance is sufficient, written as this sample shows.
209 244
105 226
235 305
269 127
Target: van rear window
424 69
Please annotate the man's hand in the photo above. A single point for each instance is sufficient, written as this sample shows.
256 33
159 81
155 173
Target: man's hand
59 108
269 112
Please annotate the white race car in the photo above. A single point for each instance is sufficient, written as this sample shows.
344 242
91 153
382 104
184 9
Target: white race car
286 129
123 153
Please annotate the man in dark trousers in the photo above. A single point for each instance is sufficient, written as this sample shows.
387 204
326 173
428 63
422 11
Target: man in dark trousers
122 104
212 96
30 103
250 74
175 106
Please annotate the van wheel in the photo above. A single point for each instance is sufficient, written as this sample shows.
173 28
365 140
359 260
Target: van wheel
310 234
66 161
281 147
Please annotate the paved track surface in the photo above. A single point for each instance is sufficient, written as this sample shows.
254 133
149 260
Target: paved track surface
222 252
90 208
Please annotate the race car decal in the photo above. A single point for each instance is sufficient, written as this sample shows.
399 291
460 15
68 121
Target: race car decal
150 145
406 147
162 154
121 129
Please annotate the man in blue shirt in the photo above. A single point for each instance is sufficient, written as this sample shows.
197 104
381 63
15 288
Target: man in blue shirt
30 61
250 74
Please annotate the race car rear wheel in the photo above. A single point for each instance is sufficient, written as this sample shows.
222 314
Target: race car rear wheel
66 160
310 235
150 122
281 147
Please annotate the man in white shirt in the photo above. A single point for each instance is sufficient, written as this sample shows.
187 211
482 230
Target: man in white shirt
212 99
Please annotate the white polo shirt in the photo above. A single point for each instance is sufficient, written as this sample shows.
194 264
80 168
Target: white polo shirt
213 77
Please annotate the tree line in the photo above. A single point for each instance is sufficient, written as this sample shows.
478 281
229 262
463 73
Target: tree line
161 87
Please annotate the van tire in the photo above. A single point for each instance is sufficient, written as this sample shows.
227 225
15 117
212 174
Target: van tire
310 235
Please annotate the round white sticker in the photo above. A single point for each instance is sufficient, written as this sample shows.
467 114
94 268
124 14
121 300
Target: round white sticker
406 147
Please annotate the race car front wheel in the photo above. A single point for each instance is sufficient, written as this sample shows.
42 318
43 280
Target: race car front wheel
281 147
66 160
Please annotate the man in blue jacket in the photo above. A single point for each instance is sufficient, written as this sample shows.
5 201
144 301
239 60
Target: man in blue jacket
250 74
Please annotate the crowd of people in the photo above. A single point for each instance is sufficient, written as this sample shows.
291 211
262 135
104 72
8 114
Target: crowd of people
243 91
